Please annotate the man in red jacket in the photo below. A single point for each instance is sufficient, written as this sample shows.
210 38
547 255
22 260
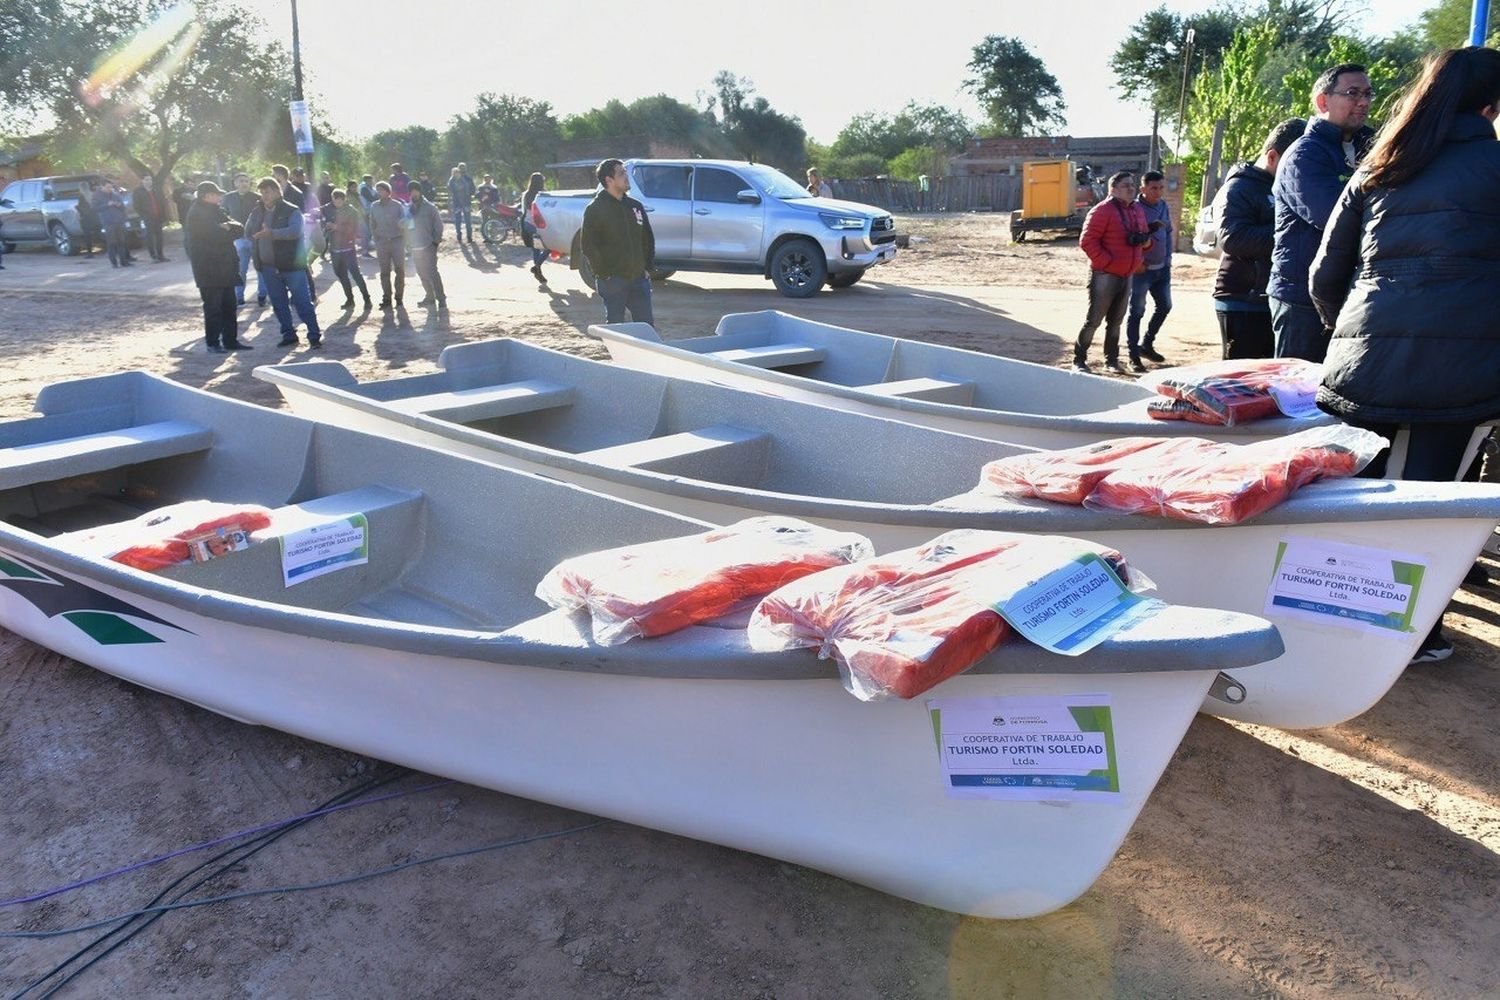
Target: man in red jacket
1115 237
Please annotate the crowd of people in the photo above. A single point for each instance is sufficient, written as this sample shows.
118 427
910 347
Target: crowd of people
280 225
1374 253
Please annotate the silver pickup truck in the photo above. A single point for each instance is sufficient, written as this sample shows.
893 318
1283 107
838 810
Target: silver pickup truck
730 216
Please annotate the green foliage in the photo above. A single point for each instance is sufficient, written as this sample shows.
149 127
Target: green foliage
1148 64
884 136
911 163
753 129
504 135
415 147
146 83
1446 26
1018 93
660 117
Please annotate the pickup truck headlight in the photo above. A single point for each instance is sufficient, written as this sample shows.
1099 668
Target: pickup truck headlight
841 221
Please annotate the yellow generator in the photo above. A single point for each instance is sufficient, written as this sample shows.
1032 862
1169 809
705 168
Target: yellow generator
1055 196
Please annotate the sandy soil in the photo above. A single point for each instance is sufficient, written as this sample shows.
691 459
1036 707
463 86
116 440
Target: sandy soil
1348 862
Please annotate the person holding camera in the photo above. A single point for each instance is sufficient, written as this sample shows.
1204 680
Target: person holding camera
1155 281
1115 237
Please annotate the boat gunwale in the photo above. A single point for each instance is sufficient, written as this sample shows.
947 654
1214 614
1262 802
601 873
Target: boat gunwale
1100 421
1305 507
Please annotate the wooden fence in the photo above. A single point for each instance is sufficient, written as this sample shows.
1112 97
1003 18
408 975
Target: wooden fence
989 193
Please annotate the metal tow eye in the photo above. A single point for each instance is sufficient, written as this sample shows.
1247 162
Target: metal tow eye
1226 688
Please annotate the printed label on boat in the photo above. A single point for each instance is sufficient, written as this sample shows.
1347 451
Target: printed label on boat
1058 748
324 548
1068 610
1372 590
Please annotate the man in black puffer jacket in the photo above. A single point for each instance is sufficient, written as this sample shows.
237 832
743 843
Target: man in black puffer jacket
1246 216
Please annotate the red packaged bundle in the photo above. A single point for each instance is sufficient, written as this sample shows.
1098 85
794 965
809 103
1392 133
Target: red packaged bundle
1228 484
1065 476
659 587
1233 392
191 531
900 624
1179 409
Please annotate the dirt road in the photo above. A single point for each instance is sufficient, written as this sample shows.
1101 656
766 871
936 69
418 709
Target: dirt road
1355 861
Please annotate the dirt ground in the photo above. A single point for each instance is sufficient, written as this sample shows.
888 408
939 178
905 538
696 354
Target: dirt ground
1361 860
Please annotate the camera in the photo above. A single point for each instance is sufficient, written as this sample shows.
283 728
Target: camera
1137 239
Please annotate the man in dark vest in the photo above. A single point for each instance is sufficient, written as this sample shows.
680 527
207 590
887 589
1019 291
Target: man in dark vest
276 227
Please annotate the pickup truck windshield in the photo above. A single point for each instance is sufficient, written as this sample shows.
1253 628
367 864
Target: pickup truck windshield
775 183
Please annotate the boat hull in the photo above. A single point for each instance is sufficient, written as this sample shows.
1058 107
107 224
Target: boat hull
1329 674
795 769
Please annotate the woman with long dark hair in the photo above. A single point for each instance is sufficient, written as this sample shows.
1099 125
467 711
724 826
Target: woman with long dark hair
1407 275
534 187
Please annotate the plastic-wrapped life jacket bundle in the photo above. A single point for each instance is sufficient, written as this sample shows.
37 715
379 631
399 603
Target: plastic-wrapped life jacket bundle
659 587
1216 483
899 624
1064 476
1232 392
191 531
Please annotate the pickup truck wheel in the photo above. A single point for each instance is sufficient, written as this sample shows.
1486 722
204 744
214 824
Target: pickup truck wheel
658 275
61 240
798 269
585 271
844 278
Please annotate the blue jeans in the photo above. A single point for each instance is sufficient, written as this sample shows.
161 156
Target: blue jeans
1299 331
463 218
279 285
1158 285
244 247
620 294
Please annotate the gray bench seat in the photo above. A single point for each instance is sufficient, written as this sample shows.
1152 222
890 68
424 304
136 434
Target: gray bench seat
773 355
935 390
673 452
487 402
393 519
30 464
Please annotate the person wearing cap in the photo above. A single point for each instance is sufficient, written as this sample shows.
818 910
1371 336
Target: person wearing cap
344 225
216 267
276 227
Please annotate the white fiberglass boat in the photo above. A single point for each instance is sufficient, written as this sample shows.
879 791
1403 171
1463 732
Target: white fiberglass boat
422 642
934 385
721 454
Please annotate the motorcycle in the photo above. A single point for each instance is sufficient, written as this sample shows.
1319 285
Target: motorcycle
498 222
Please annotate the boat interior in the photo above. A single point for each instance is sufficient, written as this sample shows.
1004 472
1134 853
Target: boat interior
625 419
452 543
906 369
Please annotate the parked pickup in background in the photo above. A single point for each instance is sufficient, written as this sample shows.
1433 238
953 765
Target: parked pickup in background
729 216
43 210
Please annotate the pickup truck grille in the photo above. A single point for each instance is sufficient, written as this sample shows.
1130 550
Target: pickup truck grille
883 230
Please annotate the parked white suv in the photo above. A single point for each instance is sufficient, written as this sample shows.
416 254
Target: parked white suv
731 216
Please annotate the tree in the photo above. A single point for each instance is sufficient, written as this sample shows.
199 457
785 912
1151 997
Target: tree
415 147
148 83
1446 26
929 125
1017 92
752 128
657 117
506 135
1148 63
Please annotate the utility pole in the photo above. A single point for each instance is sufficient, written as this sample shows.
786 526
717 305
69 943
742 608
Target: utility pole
1187 62
297 74
1479 24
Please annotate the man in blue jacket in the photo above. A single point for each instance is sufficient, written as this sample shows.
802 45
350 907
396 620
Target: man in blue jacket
1311 177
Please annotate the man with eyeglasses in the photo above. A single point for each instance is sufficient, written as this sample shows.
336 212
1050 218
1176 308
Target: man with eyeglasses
1309 181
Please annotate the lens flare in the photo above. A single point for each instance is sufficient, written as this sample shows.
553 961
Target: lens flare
167 41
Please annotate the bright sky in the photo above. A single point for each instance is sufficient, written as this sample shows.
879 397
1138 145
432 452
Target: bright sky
377 64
